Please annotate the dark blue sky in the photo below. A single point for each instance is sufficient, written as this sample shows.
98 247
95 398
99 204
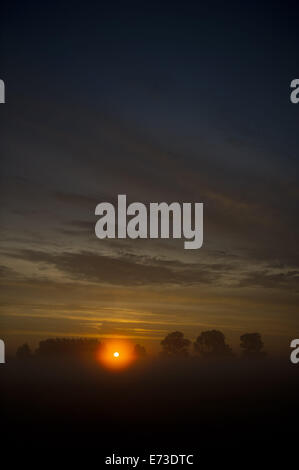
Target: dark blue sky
228 64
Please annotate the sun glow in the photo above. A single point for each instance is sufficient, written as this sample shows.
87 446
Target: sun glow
116 354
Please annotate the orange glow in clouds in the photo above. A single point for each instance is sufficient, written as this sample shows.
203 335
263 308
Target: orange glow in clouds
116 354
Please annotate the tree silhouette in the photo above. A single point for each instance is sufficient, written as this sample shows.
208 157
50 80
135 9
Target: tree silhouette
210 344
139 351
252 345
71 347
23 352
175 344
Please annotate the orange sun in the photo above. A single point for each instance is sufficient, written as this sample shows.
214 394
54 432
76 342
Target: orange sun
116 354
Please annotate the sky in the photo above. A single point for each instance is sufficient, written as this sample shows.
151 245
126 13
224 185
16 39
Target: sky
180 101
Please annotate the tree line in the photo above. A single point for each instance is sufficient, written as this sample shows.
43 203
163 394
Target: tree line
209 344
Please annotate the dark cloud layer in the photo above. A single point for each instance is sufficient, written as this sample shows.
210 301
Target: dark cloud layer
281 280
125 270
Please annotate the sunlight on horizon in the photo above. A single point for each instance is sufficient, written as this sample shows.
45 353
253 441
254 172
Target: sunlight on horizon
116 354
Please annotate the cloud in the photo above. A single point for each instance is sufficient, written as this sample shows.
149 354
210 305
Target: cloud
269 280
83 200
7 273
128 270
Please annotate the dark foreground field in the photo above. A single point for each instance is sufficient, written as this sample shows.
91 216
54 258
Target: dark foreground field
224 412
